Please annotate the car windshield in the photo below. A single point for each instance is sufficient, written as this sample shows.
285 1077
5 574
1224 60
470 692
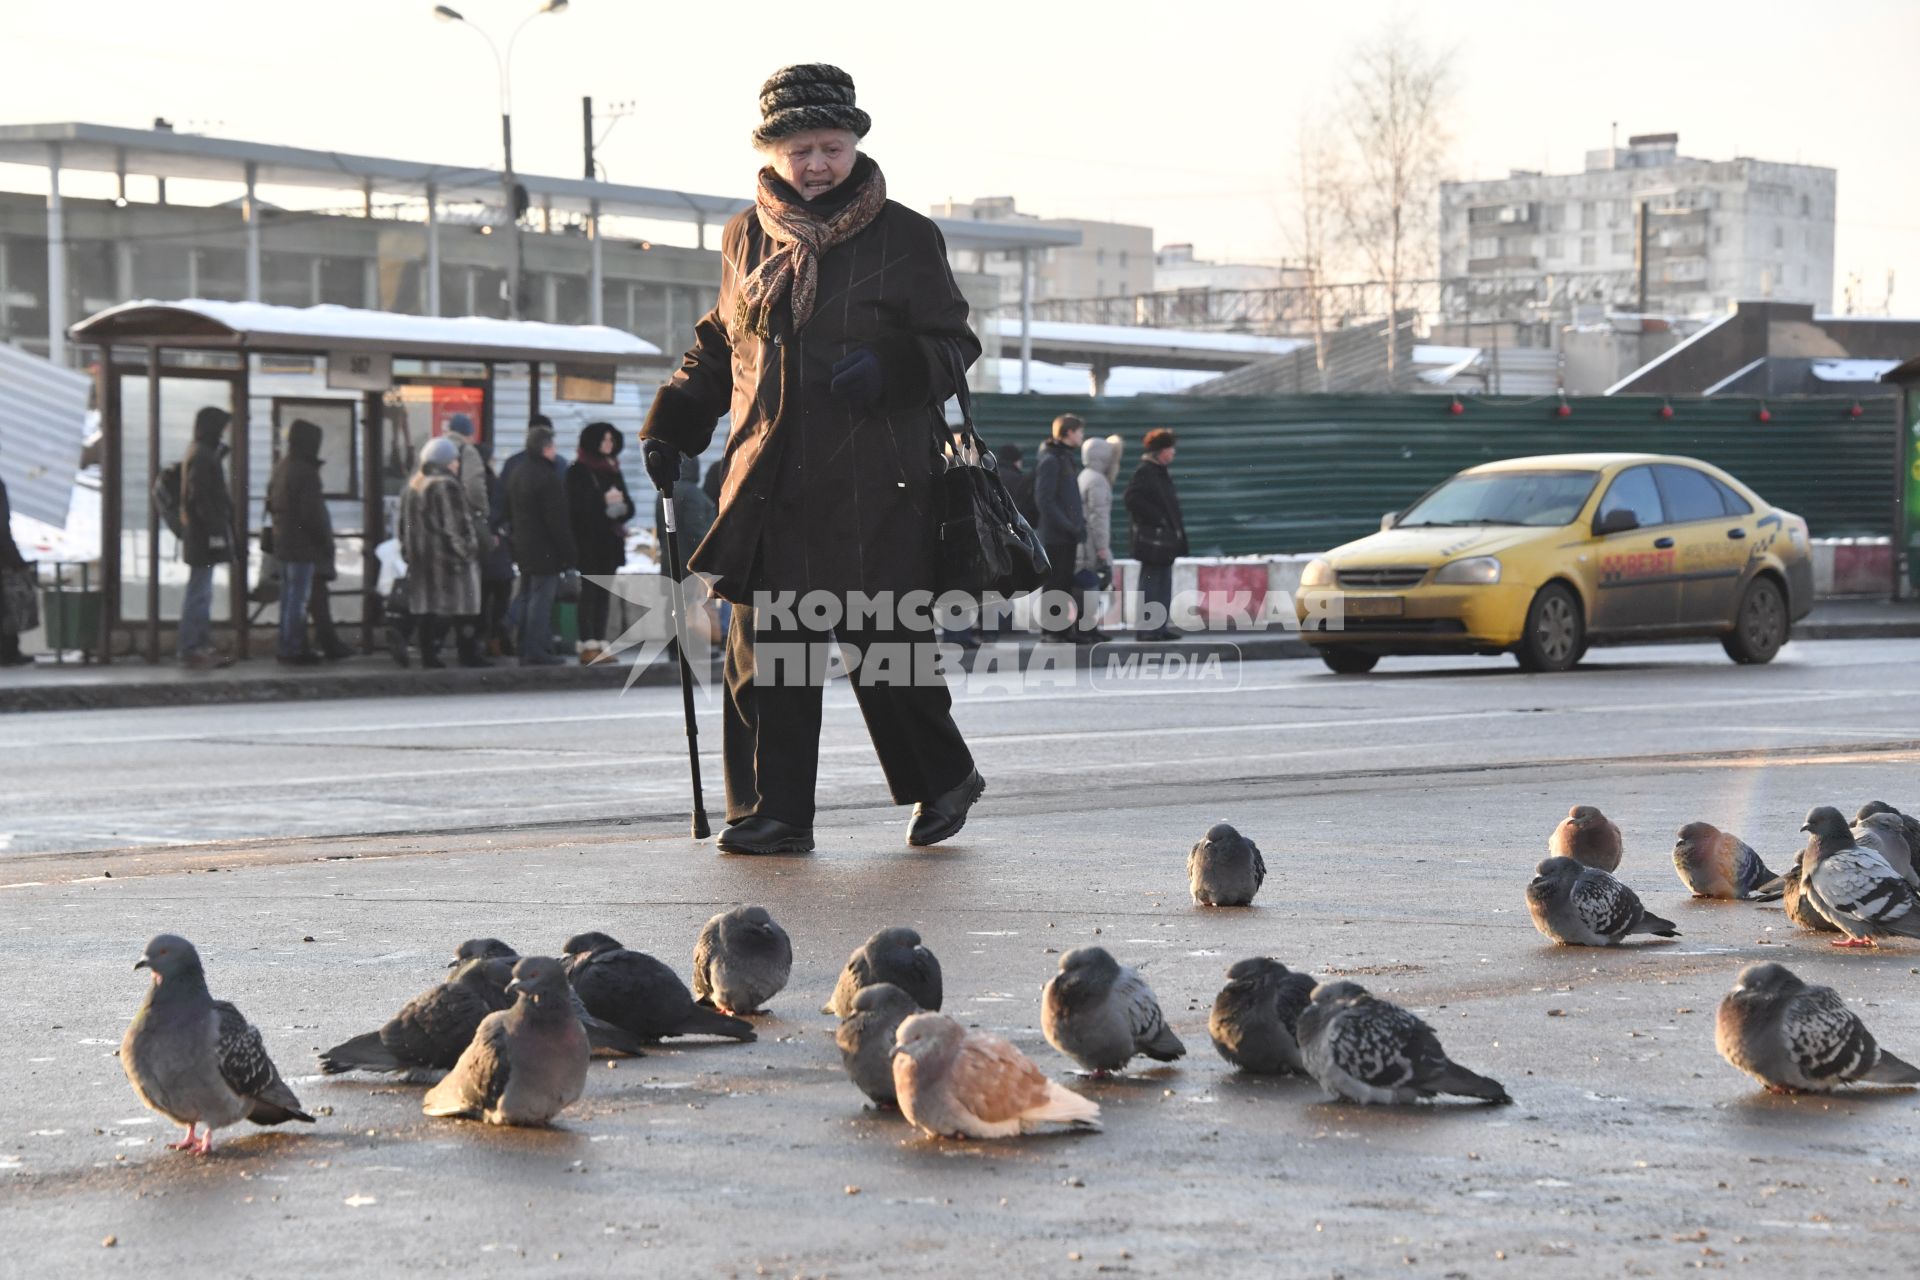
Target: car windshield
1538 498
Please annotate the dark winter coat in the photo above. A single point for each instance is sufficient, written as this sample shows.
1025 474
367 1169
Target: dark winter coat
1153 507
10 557
821 494
599 541
438 543
537 520
497 564
1020 489
296 500
206 507
1056 492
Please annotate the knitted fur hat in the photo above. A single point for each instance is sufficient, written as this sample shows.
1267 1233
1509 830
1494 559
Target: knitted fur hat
809 95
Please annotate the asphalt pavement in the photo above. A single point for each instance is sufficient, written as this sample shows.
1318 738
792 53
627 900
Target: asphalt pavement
328 856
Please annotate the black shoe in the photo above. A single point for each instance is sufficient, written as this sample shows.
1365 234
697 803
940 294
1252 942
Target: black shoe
15 659
934 820
765 835
336 653
474 660
431 662
308 659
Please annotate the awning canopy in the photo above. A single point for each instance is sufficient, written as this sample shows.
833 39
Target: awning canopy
258 326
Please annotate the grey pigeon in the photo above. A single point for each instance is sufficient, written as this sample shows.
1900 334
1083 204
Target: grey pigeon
1886 834
866 1038
1794 1038
1909 825
1225 869
1587 836
1582 907
1255 1016
197 1060
602 1035
431 1030
1101 1013
742 960
525 1064
892 955
1718 864
956 1083
1368 1050
1853 887
639 994
1799 905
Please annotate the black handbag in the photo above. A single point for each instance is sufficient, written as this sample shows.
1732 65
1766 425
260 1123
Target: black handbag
567 590
983 544
1156 543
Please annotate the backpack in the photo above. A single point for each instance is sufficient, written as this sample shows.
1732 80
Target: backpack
166 499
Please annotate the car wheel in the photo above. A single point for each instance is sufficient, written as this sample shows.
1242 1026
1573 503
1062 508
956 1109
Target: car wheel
1556 633
1760 628
1349 662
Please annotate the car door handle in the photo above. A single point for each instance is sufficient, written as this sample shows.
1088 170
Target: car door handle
1662 543
1736 533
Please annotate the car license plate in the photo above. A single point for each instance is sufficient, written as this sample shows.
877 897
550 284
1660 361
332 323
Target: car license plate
1376 606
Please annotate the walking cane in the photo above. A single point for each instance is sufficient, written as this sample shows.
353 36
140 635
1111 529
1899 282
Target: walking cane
680 631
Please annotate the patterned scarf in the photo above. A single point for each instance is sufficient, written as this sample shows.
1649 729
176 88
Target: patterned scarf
804 237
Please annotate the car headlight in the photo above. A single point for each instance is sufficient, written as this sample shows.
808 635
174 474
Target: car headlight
1476 570
1318 573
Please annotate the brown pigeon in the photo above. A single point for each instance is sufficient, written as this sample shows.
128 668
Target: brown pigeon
1588 837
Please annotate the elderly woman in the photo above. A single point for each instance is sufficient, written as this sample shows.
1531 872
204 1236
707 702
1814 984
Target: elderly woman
839 333
442 551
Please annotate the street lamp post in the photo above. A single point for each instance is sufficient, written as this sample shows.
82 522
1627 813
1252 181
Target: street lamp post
509 186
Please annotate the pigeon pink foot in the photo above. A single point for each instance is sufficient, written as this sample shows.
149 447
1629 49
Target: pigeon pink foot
187 1143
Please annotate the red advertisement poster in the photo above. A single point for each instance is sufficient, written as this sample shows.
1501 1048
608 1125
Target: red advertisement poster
448 401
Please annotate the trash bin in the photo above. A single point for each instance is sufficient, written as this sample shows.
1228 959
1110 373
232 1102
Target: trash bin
70 619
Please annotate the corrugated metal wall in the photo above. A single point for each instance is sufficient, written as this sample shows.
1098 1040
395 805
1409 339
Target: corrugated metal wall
43 418
1303 473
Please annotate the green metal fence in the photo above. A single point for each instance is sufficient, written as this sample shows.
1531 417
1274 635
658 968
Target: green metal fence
1303 473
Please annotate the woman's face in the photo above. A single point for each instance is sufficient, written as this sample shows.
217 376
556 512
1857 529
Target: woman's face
606 442
815 162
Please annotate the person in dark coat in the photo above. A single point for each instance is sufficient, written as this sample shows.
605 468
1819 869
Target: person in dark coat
442 554
507 469
206 517
1063 521
302 536
541 532
496 564
600 504
11 563
1019 481
1159 532
839 333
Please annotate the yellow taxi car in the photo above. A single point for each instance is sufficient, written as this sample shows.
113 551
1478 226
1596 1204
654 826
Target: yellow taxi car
1541 557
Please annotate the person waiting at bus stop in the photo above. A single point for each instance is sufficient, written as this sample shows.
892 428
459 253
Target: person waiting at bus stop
838 334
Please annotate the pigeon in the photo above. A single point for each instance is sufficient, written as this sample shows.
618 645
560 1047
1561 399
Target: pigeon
1225 869
1909 825
1799 906
1885 833
742 960
603 1036
956 1083
1588 837
1255 1016
1855 888
525 1064
641 995
866 1038
1718 864
891 955
1368 1050
1584 907
431 1030
1101 1013
197 1060
1794 1038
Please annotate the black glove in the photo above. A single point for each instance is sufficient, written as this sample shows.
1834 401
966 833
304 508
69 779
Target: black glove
663 463
859 379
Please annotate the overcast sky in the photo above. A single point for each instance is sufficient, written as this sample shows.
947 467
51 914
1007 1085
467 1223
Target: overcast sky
1180 116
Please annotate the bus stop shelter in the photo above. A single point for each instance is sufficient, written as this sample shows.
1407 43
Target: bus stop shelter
337 362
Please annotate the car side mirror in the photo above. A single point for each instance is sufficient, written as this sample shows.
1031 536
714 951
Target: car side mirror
1389 520
1618 520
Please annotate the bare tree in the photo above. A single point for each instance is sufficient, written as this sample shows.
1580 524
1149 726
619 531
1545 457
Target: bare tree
1392 116
1310 231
